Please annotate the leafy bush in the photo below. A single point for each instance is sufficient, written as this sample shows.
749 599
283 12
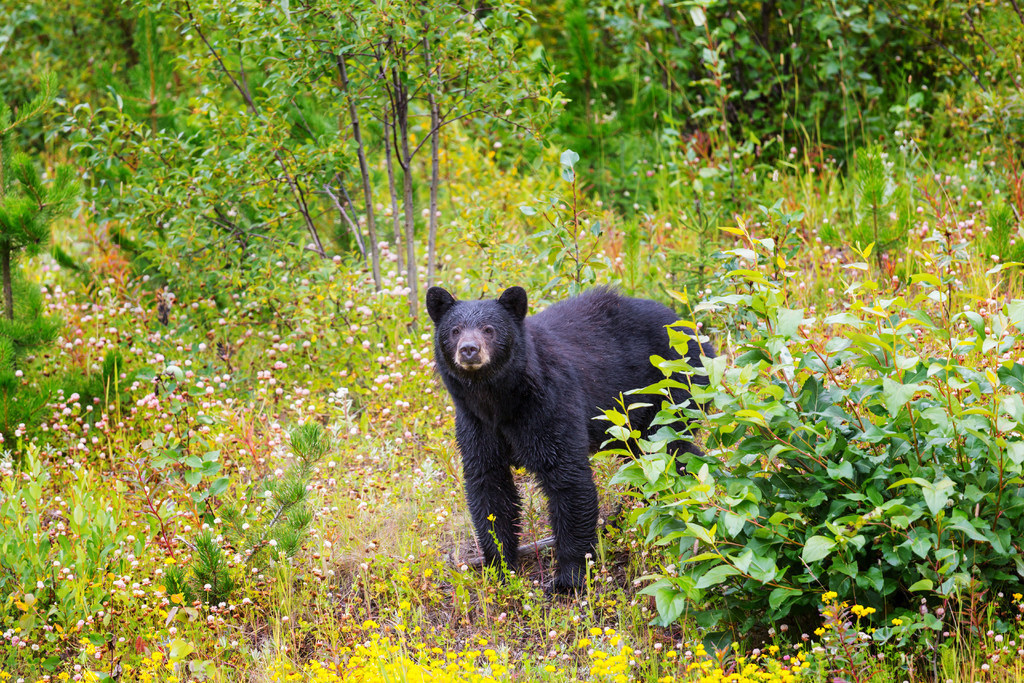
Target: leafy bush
50 563
221 158
651 84
880 459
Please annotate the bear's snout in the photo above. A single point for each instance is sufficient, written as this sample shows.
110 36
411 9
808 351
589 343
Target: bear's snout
471 353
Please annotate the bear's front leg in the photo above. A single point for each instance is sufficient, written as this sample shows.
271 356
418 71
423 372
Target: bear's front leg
573 508
491 494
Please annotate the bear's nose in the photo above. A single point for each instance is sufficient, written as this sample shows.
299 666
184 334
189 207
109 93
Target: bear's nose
469 352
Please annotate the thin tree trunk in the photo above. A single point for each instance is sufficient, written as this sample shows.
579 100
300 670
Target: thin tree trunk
396 220
435 172
344 215
401 96
410 239
364 171
5 267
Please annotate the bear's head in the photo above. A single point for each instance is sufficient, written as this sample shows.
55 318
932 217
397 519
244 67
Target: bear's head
476 339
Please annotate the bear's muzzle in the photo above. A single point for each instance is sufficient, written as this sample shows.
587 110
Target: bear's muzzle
471 352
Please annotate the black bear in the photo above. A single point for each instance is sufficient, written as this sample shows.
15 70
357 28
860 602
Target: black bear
525 392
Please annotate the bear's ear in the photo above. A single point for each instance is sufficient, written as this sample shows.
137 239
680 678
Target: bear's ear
514 300
438 303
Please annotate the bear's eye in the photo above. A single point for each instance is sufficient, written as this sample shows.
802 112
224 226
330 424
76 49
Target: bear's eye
488 330
456 331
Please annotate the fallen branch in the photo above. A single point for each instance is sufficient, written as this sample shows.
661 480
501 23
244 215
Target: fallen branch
525 549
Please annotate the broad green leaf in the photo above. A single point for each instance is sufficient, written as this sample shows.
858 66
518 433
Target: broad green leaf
706 535
219 486
704 556
180 649
763 568
1015 312
927 278
845 319
653 467
936 495
789 322
733 523
669 600
843 470
962 524
716 575
781 595
921 545
817 548
896 395
922 585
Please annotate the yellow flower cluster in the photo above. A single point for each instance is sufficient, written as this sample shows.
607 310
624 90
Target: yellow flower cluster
154 668
767 671
762 668
862 611
379 661
612 667
610 661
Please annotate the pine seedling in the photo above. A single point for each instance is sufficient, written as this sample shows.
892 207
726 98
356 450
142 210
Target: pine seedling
878 195
275 516
270 524
212 577
1006 239
289 513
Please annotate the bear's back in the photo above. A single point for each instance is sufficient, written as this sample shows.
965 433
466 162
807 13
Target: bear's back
600 322
606 341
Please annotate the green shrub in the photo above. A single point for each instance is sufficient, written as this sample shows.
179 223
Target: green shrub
53 564
1005 240
649 81
881 460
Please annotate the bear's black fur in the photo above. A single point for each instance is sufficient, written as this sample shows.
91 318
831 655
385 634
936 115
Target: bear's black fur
525 391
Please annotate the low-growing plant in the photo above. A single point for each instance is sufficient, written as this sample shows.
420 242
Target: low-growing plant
1004 239
278 524
52 565
879 459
